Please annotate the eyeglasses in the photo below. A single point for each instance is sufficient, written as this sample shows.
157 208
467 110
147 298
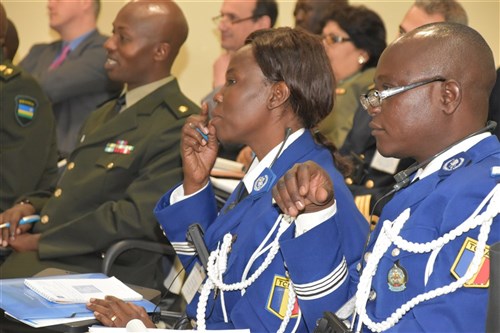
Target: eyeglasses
231 19
331 39
374 98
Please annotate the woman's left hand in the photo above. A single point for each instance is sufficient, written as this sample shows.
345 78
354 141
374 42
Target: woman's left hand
114 312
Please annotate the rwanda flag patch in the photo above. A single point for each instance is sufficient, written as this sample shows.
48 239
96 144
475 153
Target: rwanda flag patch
25 109
278 298
481 279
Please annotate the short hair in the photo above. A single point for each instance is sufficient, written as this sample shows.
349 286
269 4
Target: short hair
365 28
298 59
97 7
451 10
266 8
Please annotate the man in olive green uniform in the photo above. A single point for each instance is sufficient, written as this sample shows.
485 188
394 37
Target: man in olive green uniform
127 156
28 152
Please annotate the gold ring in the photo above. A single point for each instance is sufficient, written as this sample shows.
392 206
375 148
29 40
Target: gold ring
113 319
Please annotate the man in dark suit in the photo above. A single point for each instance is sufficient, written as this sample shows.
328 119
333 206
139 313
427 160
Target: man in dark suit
28 152
127 156
71 70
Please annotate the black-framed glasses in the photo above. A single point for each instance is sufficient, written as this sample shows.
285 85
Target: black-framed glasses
331 39
231 19
374 98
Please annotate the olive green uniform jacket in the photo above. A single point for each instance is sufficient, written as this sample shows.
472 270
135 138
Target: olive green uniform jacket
339 122
28 151
114 177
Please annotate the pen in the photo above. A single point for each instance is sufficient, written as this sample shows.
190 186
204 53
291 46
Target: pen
202 134
24 220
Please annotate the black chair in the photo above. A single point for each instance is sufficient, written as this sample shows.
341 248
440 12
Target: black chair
171 307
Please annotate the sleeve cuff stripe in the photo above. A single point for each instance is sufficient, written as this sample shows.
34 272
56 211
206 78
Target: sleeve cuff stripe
333 280
183 247
324 292
189 254
330 278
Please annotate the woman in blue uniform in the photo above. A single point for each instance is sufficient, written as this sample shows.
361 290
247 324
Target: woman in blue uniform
266 271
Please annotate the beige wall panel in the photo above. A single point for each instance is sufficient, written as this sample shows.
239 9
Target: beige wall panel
194 64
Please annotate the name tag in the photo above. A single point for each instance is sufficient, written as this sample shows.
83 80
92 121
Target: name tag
193 282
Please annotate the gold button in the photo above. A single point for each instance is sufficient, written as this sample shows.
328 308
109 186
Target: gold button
45 219
348 181
110 165
58 193
8 71
71 166
183 108
362 156
2 68
369 183
358 267
372 296
367 255
395 252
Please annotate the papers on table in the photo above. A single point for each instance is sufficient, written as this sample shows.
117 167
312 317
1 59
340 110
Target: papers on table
64 290
23 304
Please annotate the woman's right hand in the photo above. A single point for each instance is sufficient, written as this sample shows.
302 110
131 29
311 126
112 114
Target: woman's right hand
12 216
198 154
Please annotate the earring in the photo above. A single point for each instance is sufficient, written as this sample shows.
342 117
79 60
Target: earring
361 60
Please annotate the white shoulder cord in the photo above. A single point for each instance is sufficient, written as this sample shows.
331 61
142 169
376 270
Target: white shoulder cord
258 252
390 234
217 264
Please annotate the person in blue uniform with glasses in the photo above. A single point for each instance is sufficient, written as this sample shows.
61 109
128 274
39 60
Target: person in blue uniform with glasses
266 272
426 268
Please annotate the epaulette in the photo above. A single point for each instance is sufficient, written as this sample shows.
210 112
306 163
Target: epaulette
7 71
181 107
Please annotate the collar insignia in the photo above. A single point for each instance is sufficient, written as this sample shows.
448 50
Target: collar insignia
263 183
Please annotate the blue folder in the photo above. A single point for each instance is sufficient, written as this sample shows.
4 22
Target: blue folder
23 303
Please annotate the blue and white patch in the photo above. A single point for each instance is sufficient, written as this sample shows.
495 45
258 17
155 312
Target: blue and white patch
495 172
454 163
263 183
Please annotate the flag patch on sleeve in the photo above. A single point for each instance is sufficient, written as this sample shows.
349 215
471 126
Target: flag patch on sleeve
481 279
278 298
25 109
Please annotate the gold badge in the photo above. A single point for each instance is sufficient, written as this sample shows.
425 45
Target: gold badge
397 278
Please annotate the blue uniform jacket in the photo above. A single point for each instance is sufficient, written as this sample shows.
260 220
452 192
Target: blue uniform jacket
439 203
309 258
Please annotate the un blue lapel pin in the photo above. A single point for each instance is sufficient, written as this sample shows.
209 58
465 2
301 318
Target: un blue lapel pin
263 183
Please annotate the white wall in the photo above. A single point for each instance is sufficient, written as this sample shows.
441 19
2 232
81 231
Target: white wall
194 64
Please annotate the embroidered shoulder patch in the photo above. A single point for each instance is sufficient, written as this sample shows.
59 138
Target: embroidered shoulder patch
277 302
25 109
481 279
